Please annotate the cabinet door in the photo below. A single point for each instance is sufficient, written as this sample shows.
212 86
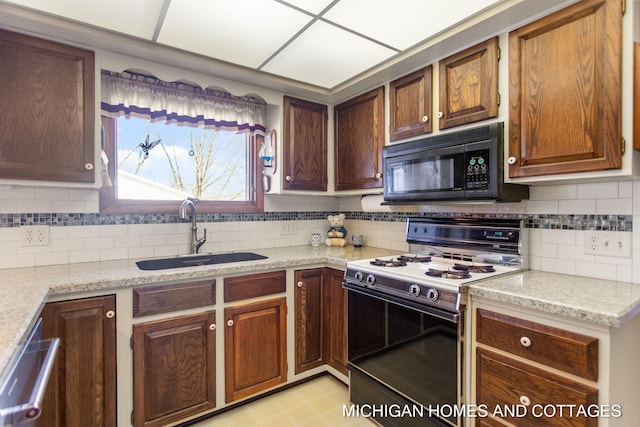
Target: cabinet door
46 110
173 368
469 85
359 140
565 93
82 386
255 342
310 313
410 105
304 145
337 330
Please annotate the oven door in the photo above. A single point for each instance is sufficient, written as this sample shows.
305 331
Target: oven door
403 357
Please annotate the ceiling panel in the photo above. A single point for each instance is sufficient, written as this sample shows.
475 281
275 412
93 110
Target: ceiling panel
137 18
325 55
244 32
403 23
311 6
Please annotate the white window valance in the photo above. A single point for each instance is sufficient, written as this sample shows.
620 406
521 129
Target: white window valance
131 94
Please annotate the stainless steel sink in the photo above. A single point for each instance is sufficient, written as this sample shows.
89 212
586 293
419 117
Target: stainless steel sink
194 260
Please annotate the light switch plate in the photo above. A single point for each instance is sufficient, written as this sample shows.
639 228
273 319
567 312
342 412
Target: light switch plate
607 243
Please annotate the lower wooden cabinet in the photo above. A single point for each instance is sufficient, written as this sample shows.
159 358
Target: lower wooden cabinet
533 369
173 368
320 316
255 340
82 386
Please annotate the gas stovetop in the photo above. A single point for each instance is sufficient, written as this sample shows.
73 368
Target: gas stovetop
448 254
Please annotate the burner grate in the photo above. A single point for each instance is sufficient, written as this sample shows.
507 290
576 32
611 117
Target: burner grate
448 274
474 268
414 258
388 262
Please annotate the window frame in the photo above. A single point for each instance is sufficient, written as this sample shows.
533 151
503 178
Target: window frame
110 204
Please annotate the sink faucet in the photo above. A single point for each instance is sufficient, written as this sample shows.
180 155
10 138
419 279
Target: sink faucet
182 214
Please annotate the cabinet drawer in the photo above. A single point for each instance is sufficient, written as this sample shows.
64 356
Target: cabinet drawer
254 285
502 382
560 349
167 298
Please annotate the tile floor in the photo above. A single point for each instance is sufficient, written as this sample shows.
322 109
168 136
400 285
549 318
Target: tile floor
314 403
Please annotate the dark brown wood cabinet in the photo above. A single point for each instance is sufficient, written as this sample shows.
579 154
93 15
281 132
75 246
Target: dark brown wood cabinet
320 319
255 341
519 362
410 100
469 85
173 368
359 140
304 145
82 386
565 91
47 111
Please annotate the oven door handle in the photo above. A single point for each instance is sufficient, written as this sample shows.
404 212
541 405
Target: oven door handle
450 316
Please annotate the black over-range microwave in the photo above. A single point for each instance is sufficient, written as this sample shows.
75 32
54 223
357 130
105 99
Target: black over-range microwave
455 166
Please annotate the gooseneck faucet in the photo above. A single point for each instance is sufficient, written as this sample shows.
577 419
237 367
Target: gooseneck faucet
182 214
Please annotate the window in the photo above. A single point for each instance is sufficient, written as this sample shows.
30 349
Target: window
153 157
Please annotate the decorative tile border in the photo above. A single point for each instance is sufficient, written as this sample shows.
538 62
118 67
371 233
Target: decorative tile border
552 222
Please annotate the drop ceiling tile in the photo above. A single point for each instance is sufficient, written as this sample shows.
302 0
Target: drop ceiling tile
326 56
136 18
312 6
244 32
403 23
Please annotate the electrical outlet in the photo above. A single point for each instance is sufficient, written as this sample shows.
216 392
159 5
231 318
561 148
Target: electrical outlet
608 243
35 235
288 228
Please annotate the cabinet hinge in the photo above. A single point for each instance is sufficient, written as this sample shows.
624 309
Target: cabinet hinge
499 51
624 145
623 6
131 417
499 99
131 342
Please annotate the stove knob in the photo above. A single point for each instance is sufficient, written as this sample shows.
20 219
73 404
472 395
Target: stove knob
432 295
358 276
414 290
371 279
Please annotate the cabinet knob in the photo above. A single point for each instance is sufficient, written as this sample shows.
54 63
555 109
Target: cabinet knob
88 166
425 119
440 114
230 322
378 175
300 284
525 341
110 314
511 160
525 400
212 327
287 178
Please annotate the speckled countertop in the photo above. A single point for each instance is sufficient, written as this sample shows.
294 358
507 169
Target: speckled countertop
24 291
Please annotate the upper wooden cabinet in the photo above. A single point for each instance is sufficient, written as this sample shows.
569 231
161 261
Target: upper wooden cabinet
47 111
565 91
469 85
359 139
410 105
304 145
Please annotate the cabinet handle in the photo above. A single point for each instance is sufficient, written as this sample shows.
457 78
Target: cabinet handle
110 314
378 175
287 178
425 119
525 400
525 341
511 160
230 322
300 284
88 166
212 327
440 114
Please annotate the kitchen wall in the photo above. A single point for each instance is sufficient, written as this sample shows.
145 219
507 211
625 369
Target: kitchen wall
556 216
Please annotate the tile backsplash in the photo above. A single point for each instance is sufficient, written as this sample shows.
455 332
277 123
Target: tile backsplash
555 215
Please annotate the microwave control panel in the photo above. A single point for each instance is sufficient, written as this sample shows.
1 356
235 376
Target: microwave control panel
477 170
